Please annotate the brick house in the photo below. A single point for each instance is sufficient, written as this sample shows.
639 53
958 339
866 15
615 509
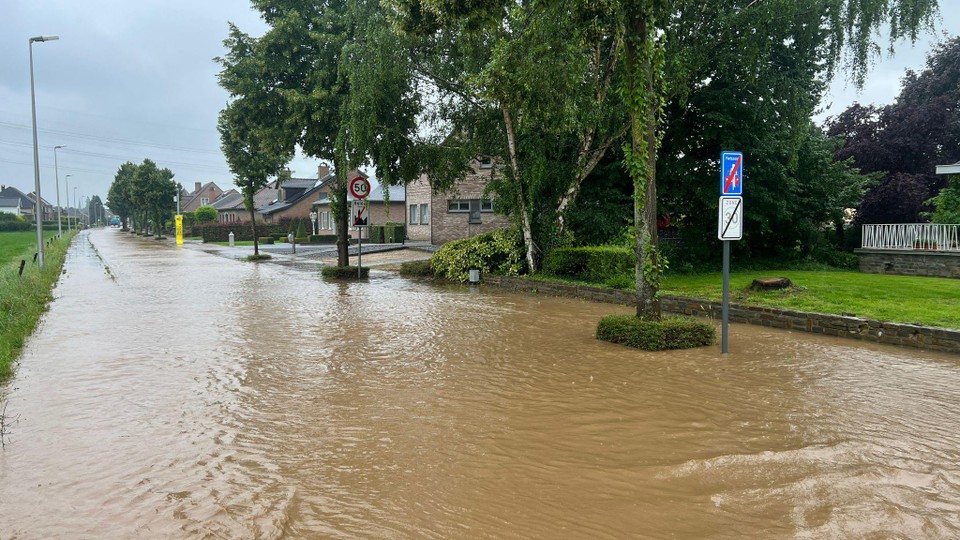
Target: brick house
461 212
230 208
26 204
10 206
202 195
379 211
295 196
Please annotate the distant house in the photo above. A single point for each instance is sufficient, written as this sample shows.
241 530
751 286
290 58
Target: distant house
48 211
295 196
26 201
10 206
202 195
379 211
230 208
460 212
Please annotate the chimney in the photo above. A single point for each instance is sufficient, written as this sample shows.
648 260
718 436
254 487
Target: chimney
196 187
322 171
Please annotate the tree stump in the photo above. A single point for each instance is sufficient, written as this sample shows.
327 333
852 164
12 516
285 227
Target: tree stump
771 284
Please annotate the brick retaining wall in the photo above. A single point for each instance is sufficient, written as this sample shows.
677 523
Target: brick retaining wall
908 335
909 263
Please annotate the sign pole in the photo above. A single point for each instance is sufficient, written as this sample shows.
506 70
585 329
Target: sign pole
359 251
726 296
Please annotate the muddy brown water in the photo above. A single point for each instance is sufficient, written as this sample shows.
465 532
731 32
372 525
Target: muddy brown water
185 395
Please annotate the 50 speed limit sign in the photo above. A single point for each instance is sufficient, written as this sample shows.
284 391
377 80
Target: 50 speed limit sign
359 187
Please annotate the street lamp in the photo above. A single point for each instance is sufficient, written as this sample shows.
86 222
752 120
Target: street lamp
36 155
56 173
76 206
66 178
313 221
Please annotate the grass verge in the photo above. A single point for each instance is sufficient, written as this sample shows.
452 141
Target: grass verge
920 300
23 299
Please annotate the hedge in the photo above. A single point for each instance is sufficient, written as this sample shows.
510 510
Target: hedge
322 238
596 264
16 226
265 240
344 272
669 333
416 268
241 231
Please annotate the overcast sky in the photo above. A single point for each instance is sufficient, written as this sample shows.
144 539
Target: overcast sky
134 79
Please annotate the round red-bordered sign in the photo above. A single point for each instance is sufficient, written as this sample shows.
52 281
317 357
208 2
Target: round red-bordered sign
360 187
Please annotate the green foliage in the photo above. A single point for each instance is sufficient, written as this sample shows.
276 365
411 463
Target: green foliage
23 299
258 257
593 264
621 281
15 225
670 333
265 239
497 252
206 214
947 203
344 272
322 238
416 269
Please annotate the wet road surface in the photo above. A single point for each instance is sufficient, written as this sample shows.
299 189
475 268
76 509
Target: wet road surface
170 393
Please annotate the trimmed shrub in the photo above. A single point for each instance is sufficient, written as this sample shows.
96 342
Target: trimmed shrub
301 239
394 233
623 281
498 252
344 272
595 264
416 269
265 240
258 257
670 333
375 234
241 231
16 226
322 238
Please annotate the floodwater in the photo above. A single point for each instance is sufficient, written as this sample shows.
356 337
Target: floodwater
169 393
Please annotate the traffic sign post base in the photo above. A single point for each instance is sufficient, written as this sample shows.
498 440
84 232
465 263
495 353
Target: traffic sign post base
725 318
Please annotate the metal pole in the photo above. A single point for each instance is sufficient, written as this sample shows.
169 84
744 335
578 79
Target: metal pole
36 163
359 251
726 296
66 180
56 173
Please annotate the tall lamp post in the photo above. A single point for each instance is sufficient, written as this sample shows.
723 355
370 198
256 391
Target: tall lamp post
37 210
66 179
76 206
56 173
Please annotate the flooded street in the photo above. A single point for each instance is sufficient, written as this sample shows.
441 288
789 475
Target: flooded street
170 393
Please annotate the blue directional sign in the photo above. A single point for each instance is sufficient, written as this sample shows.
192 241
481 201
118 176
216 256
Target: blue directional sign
731 174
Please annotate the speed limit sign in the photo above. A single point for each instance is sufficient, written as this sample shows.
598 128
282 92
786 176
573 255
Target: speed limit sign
360 187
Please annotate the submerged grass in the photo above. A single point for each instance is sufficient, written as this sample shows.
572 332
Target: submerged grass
23 299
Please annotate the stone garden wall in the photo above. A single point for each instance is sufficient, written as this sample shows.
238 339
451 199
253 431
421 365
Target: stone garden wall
909 263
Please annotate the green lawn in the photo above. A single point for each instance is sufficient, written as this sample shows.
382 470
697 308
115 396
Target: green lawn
907 299
22 245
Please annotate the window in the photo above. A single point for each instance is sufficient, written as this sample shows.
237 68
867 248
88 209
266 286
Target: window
204 201
424 214
413 214
456 205
486 163
486 206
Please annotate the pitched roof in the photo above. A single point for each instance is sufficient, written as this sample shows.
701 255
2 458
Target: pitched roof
11 192
230 201
397 194
296 183
188 198
9 203
300 183
265 196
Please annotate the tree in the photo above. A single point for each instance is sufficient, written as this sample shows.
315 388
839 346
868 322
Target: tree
119 197
253 153
94 210
206 214
689 34
330 78
947 203
153 192
906 140
530 84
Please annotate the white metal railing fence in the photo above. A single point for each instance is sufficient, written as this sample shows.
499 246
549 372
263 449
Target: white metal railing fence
930 236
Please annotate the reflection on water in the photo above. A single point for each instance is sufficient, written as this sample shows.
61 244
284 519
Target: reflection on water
192 395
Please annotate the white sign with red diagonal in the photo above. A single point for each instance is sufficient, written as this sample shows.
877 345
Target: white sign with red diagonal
359 214
731 174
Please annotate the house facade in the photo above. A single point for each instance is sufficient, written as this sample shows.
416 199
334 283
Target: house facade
295 196
202 195
10 206
27 204
461 212
379 210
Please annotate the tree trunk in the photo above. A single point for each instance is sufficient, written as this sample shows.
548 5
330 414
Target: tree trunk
525 223
341 214
643 138
253 224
